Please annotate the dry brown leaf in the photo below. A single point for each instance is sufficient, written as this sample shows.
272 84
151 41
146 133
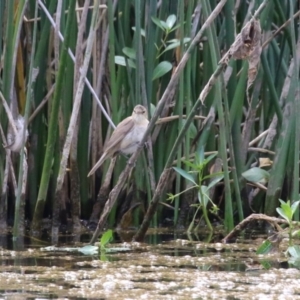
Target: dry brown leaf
246 41
247 45
255 52
265 162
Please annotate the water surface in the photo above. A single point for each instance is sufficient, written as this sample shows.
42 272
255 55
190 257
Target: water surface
169 266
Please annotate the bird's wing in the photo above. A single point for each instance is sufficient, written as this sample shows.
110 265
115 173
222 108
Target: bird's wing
98 164
119 133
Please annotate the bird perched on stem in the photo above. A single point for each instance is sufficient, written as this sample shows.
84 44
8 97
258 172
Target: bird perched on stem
126 136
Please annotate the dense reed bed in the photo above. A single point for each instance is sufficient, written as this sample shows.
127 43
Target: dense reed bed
224 110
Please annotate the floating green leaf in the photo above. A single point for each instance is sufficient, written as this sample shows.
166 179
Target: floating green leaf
88 250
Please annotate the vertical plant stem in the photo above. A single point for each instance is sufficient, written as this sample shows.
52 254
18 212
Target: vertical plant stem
9 51
74 175
111 58
39 210
6 77
179 107
19 225
295 186
75 111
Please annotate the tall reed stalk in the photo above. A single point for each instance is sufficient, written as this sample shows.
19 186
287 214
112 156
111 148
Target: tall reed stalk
166 56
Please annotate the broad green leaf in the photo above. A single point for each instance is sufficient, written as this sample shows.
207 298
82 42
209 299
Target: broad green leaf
176 44
265 248
200 156
175 27
185 174
296 233
295 206
283 214
171 21
203 195
143 32
256 175
294 262
286 209
294 251
283 203
213 175
190 164
129 52
185 40
210 157
215 181
106 238
192 131
266 264
161 24
161 69
120 60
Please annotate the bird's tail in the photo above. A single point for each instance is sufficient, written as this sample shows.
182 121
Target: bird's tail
98 164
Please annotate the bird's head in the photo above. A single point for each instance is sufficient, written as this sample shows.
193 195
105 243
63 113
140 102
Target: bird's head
139 113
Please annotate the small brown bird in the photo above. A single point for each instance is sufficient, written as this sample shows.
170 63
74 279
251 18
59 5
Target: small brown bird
126 136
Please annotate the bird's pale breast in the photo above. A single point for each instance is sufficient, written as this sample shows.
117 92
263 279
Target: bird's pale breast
132 139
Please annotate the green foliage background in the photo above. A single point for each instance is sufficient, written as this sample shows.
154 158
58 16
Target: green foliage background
137 46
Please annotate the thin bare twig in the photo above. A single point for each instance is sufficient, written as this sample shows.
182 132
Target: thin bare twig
42 104
176 117
254 217
285 24
103 6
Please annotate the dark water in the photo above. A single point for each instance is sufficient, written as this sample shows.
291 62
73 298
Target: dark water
169 265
